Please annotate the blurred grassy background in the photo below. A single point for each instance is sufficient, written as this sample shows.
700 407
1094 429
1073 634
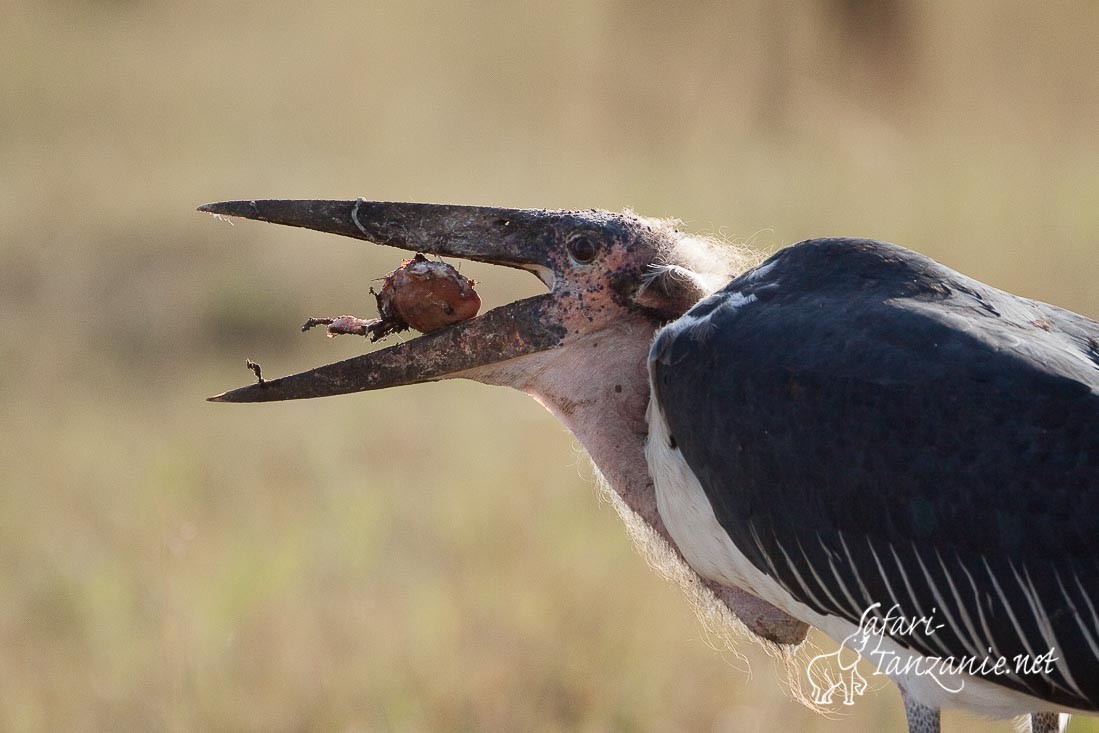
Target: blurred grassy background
434 558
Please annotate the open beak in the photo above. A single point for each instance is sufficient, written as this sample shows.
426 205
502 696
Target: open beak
521 238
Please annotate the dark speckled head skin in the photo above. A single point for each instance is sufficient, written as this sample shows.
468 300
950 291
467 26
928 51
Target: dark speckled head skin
594 262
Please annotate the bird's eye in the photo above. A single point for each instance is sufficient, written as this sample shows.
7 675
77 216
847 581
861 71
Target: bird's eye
581 249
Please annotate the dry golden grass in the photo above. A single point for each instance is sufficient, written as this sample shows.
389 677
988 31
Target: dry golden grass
360 563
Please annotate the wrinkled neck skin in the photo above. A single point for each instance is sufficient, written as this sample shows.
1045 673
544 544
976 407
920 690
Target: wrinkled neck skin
605 410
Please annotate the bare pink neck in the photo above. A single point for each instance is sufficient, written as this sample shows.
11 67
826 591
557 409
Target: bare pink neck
605 410
598 387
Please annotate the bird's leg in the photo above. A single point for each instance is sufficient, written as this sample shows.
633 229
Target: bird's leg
1047 723
921 719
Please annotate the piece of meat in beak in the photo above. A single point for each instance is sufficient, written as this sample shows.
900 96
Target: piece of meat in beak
562 248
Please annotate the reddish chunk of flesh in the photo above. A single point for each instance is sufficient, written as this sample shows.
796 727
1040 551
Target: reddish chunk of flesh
422 294
428 295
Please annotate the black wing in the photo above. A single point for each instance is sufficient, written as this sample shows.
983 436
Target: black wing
871 426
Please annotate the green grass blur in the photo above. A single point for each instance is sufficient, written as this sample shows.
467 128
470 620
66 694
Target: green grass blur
434 558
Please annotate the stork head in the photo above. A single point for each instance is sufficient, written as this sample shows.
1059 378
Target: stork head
579 349
601 269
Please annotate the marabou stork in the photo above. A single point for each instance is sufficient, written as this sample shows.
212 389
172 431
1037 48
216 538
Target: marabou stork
846 431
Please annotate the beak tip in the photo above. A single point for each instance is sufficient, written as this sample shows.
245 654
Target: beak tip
240 394
230 208
255 392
